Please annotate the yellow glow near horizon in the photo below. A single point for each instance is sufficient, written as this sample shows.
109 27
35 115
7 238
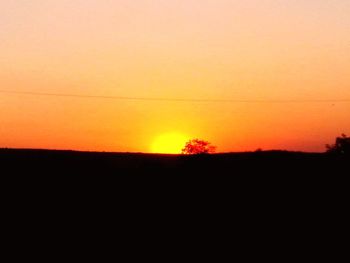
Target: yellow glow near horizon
171 143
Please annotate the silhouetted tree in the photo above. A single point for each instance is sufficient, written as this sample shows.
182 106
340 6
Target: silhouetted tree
341 146
197 146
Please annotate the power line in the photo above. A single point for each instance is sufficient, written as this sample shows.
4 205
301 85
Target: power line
169 99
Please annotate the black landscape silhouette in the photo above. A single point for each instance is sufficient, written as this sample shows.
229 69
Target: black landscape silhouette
263 163
259 173
263 190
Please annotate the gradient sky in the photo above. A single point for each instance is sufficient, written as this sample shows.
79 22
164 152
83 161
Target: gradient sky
195 49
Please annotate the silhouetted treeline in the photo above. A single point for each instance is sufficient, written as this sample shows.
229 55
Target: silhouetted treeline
341 146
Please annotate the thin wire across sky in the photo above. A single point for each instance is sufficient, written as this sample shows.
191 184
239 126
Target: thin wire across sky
193 100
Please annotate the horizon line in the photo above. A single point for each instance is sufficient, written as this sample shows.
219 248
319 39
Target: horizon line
151 153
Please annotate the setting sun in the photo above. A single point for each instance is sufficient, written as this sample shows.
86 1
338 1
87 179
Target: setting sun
171 143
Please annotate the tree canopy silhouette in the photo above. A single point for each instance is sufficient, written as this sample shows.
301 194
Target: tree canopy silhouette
198 146
341 146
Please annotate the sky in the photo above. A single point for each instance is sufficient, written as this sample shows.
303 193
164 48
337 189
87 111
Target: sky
274 61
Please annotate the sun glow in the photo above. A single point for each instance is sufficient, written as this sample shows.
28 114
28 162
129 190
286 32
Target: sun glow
171 143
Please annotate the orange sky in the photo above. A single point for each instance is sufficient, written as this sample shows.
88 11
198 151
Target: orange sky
207 49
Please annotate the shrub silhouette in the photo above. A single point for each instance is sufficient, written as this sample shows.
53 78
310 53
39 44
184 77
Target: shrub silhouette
341 146
198 146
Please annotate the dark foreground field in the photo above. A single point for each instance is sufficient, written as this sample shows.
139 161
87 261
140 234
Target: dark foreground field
263 190
257 173
253 175
263 164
